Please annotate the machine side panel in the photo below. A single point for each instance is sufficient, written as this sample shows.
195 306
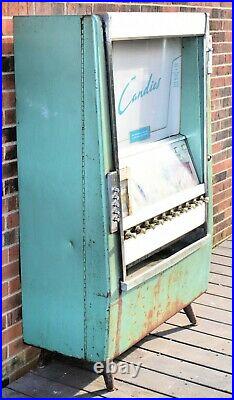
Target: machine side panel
49 136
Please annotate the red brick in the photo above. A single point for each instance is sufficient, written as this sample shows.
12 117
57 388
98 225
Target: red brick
220 25
221 186
31 8
4 289
32 352
4 353
5 8
14 316
7 46
7 27
222 47
13 220
11 302
10 204
10 270
223 234
16 346
79 8
14 253
168 9
128 7
222 70
8 82
227 4
13 8
3 224
10 117
43 8
10 152
149 8
8 100
14 285
57 8
219 197
223 205
221 58
4 322
5 256
222 225
10 186
23 8
11 333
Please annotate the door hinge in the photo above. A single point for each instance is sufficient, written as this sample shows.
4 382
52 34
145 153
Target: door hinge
209 50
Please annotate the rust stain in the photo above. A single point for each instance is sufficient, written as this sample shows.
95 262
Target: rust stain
119 320
150 315
154 315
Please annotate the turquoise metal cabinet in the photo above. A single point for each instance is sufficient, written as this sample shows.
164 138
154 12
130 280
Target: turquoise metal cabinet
114 176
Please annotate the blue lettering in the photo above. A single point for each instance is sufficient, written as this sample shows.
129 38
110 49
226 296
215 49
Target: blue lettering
150 87
121 111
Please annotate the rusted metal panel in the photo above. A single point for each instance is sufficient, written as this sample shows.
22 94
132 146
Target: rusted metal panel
142 309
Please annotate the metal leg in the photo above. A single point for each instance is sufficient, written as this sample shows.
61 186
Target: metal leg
109 379
190 314
45 357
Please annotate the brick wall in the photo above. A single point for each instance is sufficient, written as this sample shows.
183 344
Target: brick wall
18 357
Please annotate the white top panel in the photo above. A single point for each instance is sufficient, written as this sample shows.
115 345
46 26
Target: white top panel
123 26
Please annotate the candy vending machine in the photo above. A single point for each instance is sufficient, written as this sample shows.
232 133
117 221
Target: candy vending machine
114 176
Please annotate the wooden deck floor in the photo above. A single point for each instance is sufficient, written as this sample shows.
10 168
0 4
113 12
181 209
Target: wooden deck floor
177 360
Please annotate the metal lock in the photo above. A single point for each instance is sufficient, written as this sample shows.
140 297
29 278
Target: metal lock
114 200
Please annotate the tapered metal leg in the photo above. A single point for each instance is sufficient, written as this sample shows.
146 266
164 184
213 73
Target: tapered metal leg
190 314
45 357
109 379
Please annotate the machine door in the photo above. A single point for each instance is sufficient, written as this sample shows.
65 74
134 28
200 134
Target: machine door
161 195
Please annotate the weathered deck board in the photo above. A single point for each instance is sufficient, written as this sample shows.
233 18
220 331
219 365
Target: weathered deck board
36 386
219 290
222 251
197 339
177 359
214 301
221 269
8 393
210 328
221 280
70 375
222 316
227 244
179 368
175 387
221 260
185 352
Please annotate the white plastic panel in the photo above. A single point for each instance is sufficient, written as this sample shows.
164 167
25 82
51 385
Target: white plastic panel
124 26
147 86
154 173
155 238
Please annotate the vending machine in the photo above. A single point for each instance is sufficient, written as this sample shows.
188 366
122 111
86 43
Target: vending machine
114 176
